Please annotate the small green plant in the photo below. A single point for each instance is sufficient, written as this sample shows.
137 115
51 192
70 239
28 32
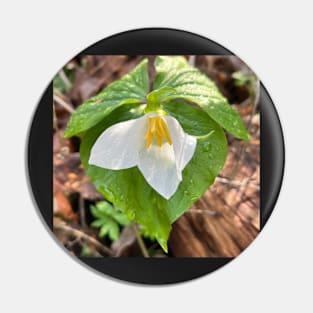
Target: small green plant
243 79
63 80
108 220
153 153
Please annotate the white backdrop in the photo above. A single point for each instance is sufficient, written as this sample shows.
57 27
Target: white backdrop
274 273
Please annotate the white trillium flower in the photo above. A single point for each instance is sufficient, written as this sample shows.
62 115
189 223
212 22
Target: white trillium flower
155 143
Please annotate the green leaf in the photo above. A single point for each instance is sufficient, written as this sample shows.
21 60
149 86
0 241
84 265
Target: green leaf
59 84
207 161
107 210
193 86
240 79
111 229
129 191
121 219
156 97
104 230
108 220
105 207
97 223
96 213
130 89
164 64
114 231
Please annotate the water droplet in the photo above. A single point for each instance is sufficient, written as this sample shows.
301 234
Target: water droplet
132 215
207 146
108 193
118 189
194 197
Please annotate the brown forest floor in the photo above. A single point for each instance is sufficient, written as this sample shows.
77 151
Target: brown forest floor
221 224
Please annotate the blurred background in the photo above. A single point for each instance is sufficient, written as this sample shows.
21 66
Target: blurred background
221 224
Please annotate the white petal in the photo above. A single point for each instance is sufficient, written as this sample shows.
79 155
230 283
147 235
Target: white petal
188 150
184 144
158 166
117 147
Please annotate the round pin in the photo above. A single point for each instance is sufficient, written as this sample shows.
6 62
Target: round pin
155 156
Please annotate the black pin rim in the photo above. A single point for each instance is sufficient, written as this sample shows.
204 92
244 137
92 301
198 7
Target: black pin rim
39 157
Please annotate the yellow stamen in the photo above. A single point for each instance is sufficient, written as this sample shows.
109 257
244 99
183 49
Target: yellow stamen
158 130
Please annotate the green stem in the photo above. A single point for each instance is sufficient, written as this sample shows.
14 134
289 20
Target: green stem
156 97
141 243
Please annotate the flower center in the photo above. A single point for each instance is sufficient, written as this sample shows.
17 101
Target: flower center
157 129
